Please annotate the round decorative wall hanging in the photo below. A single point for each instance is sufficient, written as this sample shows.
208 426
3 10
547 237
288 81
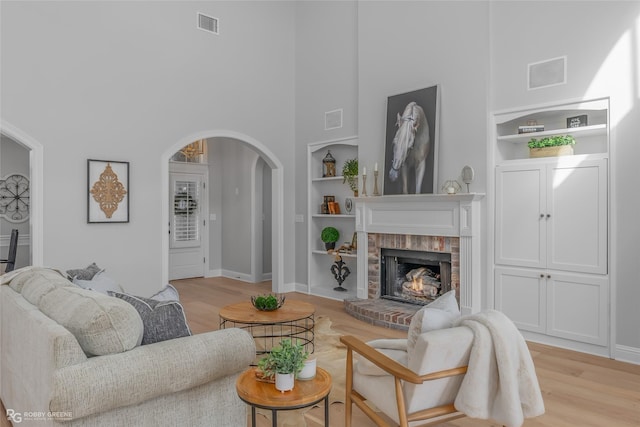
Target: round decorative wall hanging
14 198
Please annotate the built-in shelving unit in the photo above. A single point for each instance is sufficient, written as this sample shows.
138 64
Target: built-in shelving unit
551 226
320 280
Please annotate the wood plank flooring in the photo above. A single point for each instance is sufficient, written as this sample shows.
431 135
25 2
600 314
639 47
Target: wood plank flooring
578 389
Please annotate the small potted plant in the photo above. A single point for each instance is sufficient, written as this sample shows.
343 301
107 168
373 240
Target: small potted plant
284 362
350 175
329 236
557 145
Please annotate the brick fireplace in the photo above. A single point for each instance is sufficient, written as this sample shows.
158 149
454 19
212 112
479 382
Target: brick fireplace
440 224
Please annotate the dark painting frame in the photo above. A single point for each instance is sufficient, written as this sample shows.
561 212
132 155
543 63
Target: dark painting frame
429 99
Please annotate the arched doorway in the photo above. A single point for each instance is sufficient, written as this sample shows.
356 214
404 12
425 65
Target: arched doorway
277 190
36 220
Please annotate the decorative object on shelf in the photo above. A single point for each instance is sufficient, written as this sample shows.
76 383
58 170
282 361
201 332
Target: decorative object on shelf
577 121
14 198
330 236
530 127
108 191
467 176
350 175
284 362
334 208
268 302
348 204
328 165
324 208
451 186
340 272
364 182
354 241
557 145
375 180
411 147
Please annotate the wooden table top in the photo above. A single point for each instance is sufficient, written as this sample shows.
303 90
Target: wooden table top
265 395
245 312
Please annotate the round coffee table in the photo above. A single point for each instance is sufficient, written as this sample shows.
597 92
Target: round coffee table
293 320
259 394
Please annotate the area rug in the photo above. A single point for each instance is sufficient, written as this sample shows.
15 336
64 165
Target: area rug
331 355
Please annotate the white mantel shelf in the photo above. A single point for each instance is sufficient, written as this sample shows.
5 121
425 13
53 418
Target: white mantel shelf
456 215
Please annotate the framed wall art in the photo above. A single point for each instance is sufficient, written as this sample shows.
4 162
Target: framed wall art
107 191
411 148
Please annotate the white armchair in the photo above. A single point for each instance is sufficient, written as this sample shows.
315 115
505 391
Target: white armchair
413 388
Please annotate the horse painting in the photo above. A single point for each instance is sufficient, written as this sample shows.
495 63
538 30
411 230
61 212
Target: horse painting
411 146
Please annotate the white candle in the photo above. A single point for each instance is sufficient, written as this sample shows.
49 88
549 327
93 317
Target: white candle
364 170
375 168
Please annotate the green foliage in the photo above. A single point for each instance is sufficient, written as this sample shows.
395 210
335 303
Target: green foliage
286 358
267 302
350 173
330 234
552 141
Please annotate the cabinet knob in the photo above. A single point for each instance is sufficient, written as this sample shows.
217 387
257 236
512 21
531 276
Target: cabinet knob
541 276
548 276
541 215
548 215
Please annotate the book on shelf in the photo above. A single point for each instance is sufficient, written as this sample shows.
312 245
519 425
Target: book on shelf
530 128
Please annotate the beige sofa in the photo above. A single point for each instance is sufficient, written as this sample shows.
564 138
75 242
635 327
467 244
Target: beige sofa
50 374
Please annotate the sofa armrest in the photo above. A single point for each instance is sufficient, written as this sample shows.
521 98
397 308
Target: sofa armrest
118 380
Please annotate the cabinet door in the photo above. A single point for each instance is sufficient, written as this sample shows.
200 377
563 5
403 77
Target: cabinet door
521 296
520 230
577 307
577 216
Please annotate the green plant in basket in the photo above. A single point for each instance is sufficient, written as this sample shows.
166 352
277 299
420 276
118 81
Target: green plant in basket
551 141
286 358
268 302
350 174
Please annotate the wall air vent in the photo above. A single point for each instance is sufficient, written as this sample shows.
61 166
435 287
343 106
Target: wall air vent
333 119
208 23
550 72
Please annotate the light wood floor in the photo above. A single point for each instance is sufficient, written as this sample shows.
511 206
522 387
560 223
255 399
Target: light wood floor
578 389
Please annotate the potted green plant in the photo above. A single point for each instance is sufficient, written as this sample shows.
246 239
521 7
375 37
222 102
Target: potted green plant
329 236
556 145
350 175
284 362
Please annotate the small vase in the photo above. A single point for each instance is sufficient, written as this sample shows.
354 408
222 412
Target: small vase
284 382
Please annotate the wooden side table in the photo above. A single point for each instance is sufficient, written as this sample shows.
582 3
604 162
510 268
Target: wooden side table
295 320
259 394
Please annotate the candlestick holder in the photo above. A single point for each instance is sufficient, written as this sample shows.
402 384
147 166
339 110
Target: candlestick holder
375 184
364 185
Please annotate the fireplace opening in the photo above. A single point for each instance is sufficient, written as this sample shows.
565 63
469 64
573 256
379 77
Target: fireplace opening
416 277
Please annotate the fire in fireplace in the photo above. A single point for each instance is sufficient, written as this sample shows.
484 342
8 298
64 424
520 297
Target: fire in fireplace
416 277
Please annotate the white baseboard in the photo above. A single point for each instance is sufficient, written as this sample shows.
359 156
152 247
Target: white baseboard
214 273
237 276
627 354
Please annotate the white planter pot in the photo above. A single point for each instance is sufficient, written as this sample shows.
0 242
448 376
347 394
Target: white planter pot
309 370
284 382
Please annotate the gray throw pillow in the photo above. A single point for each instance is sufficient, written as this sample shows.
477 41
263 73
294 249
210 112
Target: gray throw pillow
162 320
84 273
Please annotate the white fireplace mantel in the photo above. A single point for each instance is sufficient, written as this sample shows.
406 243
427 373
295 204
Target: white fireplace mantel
426 215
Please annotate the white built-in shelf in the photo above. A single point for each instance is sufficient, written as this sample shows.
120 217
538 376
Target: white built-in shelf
593 130
328 178
333 216
343 255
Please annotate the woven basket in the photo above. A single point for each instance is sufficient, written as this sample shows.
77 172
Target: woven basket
560 150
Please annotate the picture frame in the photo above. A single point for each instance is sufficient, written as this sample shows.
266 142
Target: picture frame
107 191
412 116
354 241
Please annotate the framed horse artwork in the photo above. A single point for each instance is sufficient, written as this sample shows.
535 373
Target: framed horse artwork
411 149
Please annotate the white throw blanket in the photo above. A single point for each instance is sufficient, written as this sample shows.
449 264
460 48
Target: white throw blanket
501 382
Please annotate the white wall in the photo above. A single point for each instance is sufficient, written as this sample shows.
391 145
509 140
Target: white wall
602 43
126 81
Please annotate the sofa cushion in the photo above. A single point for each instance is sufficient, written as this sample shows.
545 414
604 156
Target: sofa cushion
17 278
438 314
101 324
84 273
40 284
163 320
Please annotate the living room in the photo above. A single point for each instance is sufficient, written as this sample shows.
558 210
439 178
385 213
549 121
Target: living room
136 81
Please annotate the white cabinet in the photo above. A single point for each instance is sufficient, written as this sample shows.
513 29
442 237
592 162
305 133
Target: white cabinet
551 228
320 279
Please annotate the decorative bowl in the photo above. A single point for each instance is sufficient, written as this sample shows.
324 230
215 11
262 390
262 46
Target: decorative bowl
268 302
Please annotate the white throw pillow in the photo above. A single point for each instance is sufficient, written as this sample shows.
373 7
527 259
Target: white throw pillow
439 314
100 283
168 293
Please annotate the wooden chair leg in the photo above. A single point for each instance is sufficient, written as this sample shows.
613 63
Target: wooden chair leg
348 404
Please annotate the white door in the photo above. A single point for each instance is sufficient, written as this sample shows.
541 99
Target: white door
186 255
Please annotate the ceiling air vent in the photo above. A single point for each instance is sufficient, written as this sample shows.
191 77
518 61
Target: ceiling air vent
208 23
